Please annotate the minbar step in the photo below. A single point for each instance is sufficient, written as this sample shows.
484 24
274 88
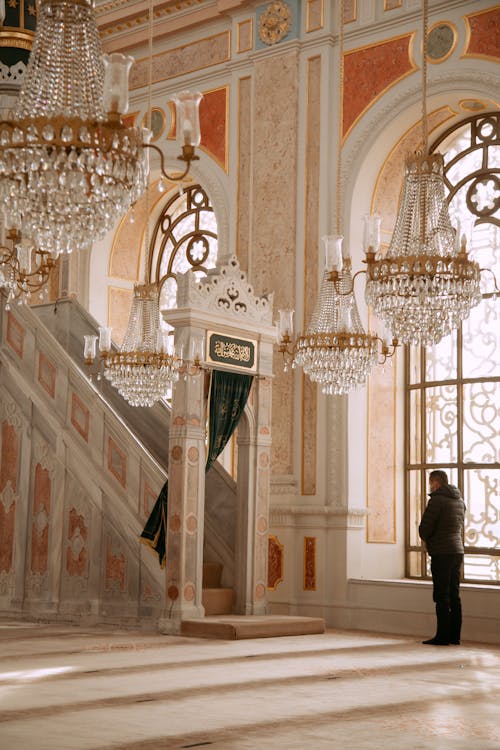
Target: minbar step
238 627
217 601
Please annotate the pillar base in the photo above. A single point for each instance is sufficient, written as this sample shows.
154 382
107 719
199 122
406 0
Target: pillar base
171 624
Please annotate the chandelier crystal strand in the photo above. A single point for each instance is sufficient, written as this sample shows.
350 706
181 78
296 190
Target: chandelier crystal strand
68 169
425 284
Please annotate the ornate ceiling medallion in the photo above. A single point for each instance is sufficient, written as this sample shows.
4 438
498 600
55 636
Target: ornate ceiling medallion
275 22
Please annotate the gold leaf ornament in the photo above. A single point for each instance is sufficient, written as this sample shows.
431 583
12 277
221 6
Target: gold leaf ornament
275 22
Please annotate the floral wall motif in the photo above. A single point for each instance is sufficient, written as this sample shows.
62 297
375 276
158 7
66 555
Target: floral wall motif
40 521
76 547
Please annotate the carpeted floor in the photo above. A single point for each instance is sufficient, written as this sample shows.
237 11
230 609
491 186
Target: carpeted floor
65 688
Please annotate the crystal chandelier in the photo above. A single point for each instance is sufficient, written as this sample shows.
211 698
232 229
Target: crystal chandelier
69 167
143 369
425 284
18 279
335 351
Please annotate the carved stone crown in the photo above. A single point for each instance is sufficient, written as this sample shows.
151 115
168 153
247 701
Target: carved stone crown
225 289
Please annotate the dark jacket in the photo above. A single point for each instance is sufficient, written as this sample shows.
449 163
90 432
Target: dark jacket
442 523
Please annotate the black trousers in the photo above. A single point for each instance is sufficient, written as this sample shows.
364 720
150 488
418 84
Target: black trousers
445 571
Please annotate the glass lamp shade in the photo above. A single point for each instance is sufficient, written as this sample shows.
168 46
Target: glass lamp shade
104 339
116 71
333 252
89 347
285 325
187 105
24 256
371 234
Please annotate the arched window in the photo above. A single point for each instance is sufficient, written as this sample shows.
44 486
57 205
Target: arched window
452 410
184 236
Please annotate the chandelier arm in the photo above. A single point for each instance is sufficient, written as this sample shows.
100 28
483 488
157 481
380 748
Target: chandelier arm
334 276
387 350
188 156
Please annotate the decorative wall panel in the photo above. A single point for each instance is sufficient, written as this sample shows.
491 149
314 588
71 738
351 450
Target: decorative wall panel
47 374
314 15
274 219
381 455
213 124
80 417
9 467
369 72
203 53
484 34
244 35
115 574
117 462
275 563
15 335
350 11
309 563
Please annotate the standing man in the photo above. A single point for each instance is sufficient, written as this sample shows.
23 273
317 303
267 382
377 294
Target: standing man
442 528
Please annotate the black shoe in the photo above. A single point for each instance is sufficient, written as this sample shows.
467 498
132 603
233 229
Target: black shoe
435 642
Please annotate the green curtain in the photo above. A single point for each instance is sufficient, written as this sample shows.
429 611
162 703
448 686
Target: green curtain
154 534
228 396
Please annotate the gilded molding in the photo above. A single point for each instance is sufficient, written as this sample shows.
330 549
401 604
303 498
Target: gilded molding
450 51
312 8
247 24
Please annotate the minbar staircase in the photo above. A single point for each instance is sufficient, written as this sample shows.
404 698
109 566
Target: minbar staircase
80 471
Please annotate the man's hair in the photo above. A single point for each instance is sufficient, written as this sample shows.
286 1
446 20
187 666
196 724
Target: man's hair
440 476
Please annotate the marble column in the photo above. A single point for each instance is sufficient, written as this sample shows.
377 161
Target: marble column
254 467
186 501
